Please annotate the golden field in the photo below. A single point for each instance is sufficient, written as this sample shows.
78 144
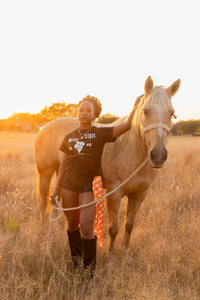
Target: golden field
163 260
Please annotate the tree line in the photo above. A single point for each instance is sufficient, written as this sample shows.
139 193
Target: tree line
28 121
190 127
18 121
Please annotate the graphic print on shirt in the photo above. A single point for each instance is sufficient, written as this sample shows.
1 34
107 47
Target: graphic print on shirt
82 144
79 146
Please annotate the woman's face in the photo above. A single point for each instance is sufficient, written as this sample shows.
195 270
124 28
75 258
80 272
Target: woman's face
86 112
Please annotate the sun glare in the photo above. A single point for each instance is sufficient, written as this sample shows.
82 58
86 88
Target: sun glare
7 112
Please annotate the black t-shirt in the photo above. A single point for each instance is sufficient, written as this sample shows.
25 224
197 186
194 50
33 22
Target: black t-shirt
84 150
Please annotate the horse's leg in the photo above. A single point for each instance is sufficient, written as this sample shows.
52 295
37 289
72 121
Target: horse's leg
44 185
113 203
133 204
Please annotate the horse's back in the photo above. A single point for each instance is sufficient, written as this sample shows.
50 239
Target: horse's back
49 140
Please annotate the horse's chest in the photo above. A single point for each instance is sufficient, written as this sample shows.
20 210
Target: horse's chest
139 182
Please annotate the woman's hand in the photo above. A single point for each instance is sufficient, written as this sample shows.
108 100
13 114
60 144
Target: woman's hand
55 196
122 128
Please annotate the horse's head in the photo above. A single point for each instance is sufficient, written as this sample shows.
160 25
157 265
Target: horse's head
156 112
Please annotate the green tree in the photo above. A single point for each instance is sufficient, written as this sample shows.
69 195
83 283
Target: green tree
21 116
189 127
57 110
107 118
198 130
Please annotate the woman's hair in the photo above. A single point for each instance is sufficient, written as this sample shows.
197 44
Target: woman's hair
96 104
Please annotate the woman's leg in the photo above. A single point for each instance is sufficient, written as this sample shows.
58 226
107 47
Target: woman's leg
70 199
89 240
87 215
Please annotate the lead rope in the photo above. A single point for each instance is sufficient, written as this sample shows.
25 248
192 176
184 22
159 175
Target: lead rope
60 209
50 257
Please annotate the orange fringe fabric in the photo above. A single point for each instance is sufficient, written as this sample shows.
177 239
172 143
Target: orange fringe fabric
98 193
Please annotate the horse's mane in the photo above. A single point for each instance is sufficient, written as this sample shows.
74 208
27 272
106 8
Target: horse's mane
127 135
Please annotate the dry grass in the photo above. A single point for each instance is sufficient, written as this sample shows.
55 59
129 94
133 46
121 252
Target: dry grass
163 261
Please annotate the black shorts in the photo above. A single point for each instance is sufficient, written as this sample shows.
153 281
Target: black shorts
77 184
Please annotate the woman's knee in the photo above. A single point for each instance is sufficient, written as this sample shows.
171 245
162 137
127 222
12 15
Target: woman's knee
72 220
72 226
87 230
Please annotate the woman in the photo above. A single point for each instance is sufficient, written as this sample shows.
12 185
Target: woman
82 150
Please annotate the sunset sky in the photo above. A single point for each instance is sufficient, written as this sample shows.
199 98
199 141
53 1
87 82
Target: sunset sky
54 51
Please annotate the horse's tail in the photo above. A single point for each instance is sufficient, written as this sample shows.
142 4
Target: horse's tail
48 208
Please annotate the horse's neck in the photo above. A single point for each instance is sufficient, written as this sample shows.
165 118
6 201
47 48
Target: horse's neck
142 147
133 139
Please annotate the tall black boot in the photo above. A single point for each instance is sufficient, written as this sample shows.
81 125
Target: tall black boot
89 256
74 238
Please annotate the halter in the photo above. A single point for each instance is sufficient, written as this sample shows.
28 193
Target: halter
159 124
155 125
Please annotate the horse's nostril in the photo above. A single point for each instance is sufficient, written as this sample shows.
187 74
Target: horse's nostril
152 154
165 155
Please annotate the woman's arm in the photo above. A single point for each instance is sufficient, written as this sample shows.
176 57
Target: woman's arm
120 129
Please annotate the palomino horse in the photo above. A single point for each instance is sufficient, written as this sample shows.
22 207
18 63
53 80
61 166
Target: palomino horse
147 138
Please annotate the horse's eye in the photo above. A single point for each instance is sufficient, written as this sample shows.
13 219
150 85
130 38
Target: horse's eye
171 114
146 112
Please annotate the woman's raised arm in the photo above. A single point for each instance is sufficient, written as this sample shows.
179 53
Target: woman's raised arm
120 129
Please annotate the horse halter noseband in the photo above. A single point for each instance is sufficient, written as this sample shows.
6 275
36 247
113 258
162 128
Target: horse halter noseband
159 124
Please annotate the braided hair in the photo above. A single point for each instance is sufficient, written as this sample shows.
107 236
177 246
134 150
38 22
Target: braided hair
96 104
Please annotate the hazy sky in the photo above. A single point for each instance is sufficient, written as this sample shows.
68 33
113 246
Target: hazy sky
54 51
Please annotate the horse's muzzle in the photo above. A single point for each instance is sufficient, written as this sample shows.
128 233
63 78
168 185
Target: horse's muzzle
158 156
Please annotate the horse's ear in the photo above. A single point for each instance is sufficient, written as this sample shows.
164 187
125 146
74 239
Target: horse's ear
173 88
148 86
